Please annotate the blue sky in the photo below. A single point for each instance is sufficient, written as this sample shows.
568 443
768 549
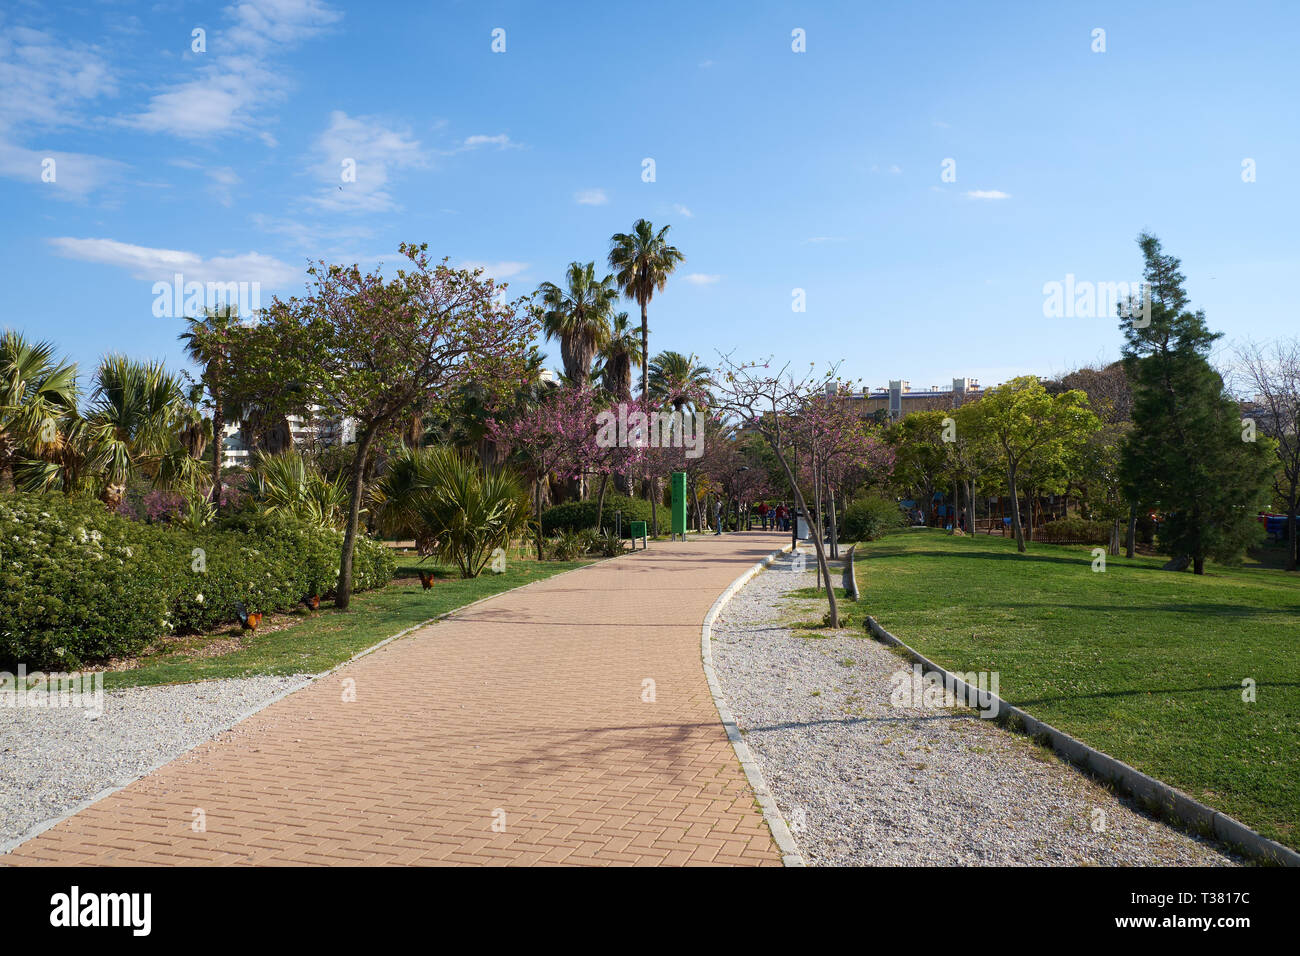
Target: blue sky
778 170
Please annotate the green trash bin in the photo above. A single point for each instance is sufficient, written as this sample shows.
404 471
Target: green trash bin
637 529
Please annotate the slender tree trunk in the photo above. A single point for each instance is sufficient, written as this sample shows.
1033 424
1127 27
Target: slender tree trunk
835 530
1114 537
1130 540
1290 529
218 448
600 503
343 595
1015 510
822 570
537 511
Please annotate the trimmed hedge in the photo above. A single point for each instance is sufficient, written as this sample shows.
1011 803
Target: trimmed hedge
1076 530
581 515
78 584
868 518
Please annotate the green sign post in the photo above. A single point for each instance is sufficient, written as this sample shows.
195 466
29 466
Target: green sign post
679 504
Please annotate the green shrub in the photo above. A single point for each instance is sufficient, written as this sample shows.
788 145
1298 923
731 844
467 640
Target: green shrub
581 515
868 518
78 584
1073 529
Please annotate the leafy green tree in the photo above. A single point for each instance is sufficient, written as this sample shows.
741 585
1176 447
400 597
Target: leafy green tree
380 350
1030 427
1185 455
620 354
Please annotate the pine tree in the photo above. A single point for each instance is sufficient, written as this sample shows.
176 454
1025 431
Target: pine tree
1185 455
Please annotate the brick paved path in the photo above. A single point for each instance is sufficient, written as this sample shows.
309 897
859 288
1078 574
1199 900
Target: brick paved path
527 709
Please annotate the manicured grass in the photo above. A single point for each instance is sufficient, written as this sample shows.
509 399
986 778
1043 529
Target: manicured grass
326 638
1143 664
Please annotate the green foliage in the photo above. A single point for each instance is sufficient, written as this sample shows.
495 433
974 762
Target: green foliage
289 484
1185 455
580 515
79 584
457 510
570 545
1076 530
868 518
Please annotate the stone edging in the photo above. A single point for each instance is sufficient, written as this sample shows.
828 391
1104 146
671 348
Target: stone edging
784 840
1154 795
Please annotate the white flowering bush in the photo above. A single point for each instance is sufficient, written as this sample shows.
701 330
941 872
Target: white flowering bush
78 584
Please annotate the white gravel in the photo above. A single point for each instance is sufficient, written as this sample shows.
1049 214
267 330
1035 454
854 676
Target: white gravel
863 782
51 760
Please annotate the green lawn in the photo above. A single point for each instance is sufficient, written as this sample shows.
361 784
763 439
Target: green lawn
326 638
1145 665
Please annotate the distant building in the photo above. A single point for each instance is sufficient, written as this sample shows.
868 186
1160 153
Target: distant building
307 433
898 399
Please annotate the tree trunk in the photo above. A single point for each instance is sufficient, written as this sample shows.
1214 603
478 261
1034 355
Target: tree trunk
835 530
801 505
343 595
1290 529
1198 565
600 502
1130 541
218 448
1015 511
537 494
645 356
1114 538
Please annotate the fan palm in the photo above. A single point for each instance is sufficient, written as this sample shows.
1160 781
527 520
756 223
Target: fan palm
643 260
457 510
207 343
620 355
676 379
578 316
36 391
134 411
288 483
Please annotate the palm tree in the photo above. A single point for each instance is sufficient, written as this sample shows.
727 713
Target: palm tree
643 260
133 415
578 316
621 354
676 379
207 343
36 391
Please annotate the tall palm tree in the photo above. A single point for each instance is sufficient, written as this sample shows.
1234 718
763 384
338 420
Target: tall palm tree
676 379
207 343
133 416
36 392
643 260
621 354
578 316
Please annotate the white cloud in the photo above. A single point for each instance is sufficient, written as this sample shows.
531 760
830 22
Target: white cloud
229 93
683 211
375 149
591 197
46 86
500 140
75 174
987 194
497 270
152 264
701 278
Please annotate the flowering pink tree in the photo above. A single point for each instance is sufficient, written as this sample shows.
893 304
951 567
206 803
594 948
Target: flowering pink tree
381 350
557 435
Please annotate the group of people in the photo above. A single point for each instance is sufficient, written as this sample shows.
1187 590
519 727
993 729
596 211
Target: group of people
774 519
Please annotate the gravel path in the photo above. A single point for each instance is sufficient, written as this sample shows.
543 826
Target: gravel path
52 760
863 782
